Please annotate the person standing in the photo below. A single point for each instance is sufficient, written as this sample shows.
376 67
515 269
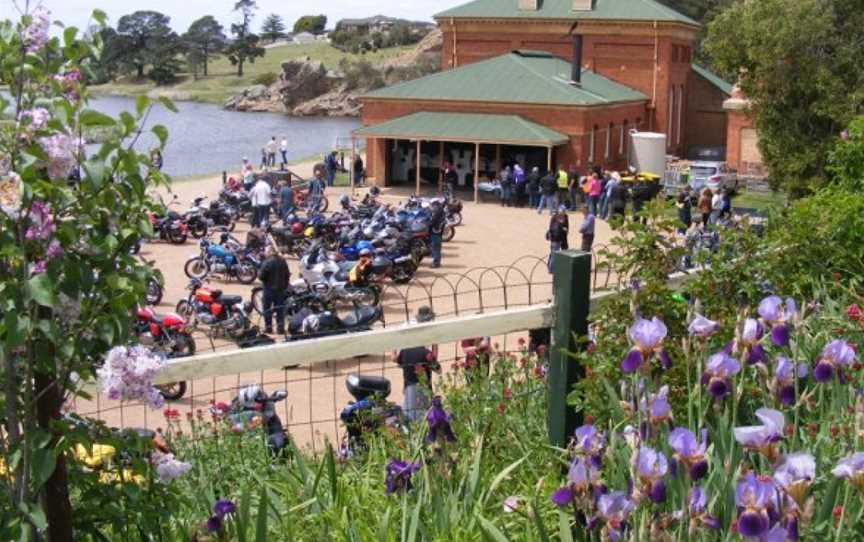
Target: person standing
331 166
518 185
716 207
617 200
595 188
271 152
563 181
614 179
556 235
286 199
532 186
275 277
436 232
316 189
359 171
548 191
417 365
726 213
586 229
704 206
264 159
573 191
506 179
283 148
684 203
451 177
261 200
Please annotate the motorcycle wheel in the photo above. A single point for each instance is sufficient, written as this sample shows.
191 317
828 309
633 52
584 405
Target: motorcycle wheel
246 273
173 391
456 219
196 268
177 237
258 300
402 274
449 234
184 309
198 229
362 296
418 249
153 293
324 205
184 346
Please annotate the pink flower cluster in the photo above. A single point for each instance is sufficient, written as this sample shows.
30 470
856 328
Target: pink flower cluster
41 222
36 33
168 467
128 373
38 116
61 150
68 81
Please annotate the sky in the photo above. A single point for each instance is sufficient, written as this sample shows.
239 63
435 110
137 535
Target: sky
183 12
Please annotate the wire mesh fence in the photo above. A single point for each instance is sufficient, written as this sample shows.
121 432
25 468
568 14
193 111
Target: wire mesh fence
317 393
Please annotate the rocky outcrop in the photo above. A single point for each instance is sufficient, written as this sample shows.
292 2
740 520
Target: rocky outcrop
336 103
301 81
257 98
431 43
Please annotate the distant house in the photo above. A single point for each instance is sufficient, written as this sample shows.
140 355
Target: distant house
304 38
380 23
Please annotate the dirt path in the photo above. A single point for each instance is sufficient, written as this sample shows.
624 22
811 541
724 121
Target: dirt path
491 239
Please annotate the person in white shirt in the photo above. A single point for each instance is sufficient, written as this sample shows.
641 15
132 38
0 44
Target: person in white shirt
271 152
261 200
283 148
716 206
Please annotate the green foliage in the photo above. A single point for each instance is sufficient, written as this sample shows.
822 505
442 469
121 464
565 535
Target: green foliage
273 28
147 40
204 40
266 79
245 46
361 75
769 46
846 159
425 65
314 24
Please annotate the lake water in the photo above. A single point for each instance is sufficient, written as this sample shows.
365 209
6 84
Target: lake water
204 138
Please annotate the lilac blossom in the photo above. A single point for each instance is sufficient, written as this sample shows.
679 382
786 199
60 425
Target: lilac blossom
647 337
690 452
836 355
399 475
651 467
703 327
795 474
168 467
54 250
61 150
783 384
39 267
613 509
778 316
36 34
68 81
128 373
39 117
719 370
751 340
755 498
657 406
439 423
41 222
852 468
762 437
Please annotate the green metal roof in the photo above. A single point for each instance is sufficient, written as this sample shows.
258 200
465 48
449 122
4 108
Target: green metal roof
465 127
533 77
713 78
607 10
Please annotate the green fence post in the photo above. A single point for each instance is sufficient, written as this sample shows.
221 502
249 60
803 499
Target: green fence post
572 287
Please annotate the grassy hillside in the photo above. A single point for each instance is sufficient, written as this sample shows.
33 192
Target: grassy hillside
223 82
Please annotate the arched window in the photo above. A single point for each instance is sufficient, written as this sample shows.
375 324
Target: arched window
591 139
622 132
608 152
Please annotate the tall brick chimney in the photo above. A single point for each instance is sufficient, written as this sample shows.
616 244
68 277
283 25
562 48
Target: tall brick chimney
583 5
529 5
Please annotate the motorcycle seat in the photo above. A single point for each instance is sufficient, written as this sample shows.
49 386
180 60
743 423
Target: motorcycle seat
360 314
363 386
231 300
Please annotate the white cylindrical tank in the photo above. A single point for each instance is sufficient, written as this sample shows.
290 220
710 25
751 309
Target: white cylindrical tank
648 152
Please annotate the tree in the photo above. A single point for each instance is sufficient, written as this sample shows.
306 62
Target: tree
148 39
204 40
245 47
273 28
314 24
804 78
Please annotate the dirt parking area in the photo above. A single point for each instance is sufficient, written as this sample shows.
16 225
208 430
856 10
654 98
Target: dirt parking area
497 259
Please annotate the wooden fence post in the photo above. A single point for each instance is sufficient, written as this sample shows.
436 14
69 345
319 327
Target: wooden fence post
572 288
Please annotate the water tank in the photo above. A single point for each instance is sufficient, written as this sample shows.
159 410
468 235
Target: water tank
648 152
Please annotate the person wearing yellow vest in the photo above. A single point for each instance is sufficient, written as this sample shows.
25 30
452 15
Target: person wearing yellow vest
563 180
360 272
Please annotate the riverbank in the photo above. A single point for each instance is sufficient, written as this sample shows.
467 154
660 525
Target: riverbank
222 82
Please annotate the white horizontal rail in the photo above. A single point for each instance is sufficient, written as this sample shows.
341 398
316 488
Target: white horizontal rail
309 352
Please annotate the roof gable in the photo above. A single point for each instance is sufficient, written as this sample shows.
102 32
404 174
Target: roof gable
532 77
614 10
713 78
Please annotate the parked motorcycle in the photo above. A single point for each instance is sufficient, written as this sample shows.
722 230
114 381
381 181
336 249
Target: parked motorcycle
225 315
170 228
301 201
168 334
153 292
217 258
307 324
251 408
195 220
369 412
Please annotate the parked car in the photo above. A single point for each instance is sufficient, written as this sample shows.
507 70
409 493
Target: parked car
713 175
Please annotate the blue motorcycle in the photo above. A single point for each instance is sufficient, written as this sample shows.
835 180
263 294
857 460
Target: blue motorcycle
216 258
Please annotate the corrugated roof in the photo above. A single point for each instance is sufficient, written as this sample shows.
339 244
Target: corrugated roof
713 78
612 10
465 127
533 77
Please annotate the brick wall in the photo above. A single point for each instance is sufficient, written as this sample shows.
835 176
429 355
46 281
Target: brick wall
742 151
706 123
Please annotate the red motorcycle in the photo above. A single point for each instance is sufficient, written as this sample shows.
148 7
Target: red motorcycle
169 334
224 315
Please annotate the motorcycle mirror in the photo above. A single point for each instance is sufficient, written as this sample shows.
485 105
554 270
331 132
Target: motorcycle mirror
279 395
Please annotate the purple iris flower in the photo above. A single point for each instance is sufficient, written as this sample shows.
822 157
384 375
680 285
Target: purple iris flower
795 474
563 496
778 316
689 451
647 337
214 524
582 474
657 406
590 442
703 327
836 355
754 497
784 379
439 422
719 370
223 507
399 475
751 338
651 467
851 468
776 534
762 437
613 508
698 505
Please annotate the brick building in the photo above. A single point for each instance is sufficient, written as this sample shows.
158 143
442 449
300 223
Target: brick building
589 70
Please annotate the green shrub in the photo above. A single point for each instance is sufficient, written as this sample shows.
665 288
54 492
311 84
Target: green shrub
266 79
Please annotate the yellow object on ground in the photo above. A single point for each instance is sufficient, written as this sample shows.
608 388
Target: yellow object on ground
650 177
100 454
126 476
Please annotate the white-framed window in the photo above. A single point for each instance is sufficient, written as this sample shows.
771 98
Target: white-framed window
680 113
591 145
608 152
622 133
670 110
